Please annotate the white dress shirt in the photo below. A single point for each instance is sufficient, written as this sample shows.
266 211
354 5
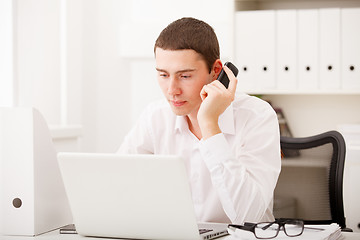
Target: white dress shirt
233 174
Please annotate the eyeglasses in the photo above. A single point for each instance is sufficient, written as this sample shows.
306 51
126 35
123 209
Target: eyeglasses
268 230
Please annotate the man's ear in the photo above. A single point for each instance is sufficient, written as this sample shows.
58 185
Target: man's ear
216 69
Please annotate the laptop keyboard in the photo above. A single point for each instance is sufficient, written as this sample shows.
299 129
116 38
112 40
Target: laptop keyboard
203 230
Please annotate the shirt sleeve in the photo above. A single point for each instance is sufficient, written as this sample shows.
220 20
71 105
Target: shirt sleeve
245 174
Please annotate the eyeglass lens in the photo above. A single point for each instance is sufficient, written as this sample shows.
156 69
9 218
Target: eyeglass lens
266 230
293 228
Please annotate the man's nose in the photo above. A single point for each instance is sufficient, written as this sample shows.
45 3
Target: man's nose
174 88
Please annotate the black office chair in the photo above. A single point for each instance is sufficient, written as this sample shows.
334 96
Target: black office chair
310 185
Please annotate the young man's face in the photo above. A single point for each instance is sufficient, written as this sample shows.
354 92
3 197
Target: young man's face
181 76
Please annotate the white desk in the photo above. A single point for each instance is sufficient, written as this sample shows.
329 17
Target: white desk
55 235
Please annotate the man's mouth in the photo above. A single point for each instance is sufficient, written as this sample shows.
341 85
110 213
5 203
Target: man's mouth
177 103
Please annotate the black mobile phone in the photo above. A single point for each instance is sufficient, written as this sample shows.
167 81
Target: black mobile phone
223 78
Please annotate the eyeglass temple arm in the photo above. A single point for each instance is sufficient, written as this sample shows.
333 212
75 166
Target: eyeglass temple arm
247 226
267 226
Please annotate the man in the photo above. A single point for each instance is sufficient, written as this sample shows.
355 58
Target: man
230 144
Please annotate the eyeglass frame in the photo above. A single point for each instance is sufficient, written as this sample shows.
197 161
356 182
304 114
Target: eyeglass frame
248 226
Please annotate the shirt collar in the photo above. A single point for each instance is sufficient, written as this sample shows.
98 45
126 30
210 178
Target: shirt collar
181 123
226 122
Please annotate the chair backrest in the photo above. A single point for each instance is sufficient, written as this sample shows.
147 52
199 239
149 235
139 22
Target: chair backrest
310 185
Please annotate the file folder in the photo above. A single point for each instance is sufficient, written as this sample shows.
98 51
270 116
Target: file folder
286 55
245 50
33 199
350 44
255 49
329 44
308 67
264 42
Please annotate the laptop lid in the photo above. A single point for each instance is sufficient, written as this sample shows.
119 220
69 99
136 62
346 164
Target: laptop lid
129 196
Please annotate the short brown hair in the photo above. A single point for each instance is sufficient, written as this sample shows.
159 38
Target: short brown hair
190 33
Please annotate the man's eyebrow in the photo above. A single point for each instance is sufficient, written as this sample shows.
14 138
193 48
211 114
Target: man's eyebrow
160 70
180 71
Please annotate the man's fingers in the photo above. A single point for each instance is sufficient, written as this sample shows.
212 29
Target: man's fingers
232 79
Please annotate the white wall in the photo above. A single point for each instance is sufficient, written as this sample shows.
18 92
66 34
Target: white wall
38 56
32 63
106 77
72 64
41 60
6 56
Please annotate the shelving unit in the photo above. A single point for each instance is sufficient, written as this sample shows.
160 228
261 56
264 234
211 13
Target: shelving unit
312 111
326 97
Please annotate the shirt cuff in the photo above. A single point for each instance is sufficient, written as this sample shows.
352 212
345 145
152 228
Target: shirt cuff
215 150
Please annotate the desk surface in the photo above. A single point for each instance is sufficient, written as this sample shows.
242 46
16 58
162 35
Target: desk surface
56 235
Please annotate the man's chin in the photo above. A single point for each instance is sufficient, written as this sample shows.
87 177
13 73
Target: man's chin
179 112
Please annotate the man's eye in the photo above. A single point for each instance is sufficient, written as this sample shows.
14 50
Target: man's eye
163 75
185 76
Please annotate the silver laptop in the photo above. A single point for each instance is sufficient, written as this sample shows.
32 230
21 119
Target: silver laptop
132 196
